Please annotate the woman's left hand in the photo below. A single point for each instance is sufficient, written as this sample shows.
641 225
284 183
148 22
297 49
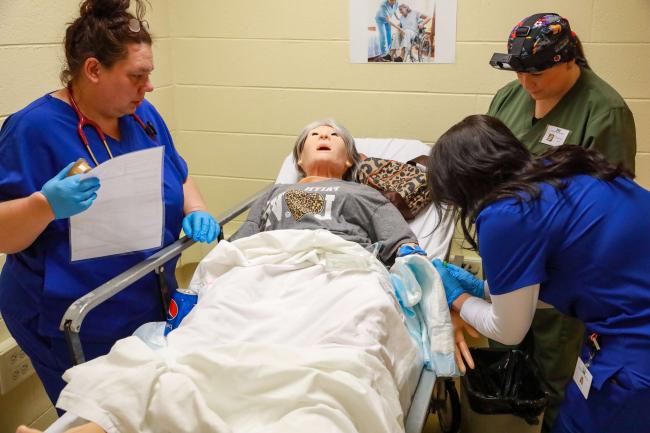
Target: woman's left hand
201 226
462 353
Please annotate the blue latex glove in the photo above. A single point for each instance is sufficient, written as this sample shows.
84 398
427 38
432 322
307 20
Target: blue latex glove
69 196
453 288
470 283
201 226
406 250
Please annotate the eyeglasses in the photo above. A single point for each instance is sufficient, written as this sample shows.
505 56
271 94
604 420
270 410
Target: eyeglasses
135 25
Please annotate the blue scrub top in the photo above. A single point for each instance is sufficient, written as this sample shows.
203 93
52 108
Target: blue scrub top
385 10
35 144
589 248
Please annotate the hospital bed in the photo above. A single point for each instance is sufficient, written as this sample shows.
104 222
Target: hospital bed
429 394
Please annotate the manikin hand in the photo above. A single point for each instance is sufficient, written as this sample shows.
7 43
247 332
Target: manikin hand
461 353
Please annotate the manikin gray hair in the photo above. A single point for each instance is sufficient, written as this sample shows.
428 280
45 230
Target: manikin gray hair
353 155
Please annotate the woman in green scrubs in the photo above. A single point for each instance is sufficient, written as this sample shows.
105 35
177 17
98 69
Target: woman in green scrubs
557 99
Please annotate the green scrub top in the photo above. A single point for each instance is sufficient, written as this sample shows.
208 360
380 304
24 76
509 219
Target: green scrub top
592 115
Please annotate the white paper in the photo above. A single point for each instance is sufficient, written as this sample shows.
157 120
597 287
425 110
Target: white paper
128 212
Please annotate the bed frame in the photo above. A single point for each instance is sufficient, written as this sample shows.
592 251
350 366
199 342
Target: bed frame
425 399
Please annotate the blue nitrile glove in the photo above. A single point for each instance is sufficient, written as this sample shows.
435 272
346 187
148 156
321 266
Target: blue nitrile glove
470 283
453 288
201 226
406 250
69 196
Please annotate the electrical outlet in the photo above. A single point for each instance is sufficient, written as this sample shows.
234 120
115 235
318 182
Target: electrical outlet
15 366
472 264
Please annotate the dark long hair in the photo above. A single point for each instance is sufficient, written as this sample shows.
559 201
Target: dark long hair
101 31
479 161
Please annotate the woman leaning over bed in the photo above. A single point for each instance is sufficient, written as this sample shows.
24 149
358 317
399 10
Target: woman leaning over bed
566 227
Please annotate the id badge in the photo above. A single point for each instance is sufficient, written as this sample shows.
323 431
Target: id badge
582 377
555 136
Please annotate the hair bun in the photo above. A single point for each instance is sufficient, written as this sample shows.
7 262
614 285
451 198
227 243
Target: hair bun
104 8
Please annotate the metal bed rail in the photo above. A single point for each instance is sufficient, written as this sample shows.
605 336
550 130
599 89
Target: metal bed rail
77 312
419 410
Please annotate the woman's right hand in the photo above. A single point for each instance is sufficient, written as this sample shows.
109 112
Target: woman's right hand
453 287
69 196
470 283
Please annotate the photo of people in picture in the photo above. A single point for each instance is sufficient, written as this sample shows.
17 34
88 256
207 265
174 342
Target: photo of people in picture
401 31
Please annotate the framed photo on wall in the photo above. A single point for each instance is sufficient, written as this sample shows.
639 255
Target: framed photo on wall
402 31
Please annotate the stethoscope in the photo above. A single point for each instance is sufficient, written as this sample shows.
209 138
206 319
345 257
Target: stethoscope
84 121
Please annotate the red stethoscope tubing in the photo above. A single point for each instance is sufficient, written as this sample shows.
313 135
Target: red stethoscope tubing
84 121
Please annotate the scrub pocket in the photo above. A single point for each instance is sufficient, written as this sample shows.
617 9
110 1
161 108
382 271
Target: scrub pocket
63 283
628 409
615 404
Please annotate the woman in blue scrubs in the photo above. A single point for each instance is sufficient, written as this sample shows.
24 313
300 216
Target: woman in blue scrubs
108 62
568 228
384 19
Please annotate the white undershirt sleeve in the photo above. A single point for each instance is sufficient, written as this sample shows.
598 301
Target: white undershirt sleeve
507 318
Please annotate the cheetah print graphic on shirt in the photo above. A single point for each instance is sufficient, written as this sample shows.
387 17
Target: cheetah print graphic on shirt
301 203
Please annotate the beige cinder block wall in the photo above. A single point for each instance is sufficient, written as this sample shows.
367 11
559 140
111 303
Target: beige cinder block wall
250 74
31 56
237 80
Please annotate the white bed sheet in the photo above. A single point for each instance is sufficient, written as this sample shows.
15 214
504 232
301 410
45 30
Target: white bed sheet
307 334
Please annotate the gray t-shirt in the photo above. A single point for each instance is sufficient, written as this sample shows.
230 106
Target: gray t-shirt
351 210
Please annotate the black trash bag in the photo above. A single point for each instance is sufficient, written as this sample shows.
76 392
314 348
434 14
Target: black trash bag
504 382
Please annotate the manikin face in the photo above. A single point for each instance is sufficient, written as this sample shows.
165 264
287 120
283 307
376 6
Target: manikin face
547 84
324 154
123 86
